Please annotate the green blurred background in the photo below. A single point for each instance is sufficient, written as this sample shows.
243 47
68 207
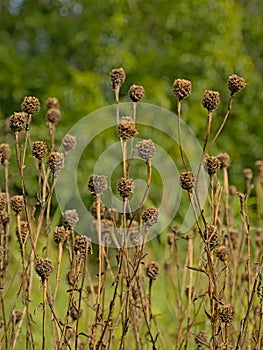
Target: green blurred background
67 48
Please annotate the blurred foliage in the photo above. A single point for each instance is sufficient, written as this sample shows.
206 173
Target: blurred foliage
66 48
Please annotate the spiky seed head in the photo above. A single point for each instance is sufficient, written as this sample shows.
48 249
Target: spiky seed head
53 115
44 268
182 88
136 93
5 152
83 245
248 174
224 346
3 200
75 314
150 217
52 102
211 100
201 338
225 160
152 270
211 236
226 313
30 105
93 208
16 316
17 121
222 253
235 83
17 204
70 218
212 164
39 149
55 162
146 149
4 218
117 77
125 187
126 128
187 181
69 142
97 184
24 232
60 235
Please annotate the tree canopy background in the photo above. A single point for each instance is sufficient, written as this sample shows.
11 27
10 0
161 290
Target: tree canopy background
67 48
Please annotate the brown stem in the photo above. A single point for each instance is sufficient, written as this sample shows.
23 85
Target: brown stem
179 105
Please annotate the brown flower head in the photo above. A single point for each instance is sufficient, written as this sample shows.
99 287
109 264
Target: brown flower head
17 203
182 88
126 128
222 253
53 115
235 83
70 218
146 149
52 102
93 208
211 236
75 314
43 268
17 121
39 149
224 159
150 217
212 164
3 200
225 346
200 339
55 162
136 93
4 218
24 232
97 184
117 76
226 313
187 181
83 246
69 142
211 100
125 187
152 270
60 235
30 105
248 174
16 316
5 152
111 214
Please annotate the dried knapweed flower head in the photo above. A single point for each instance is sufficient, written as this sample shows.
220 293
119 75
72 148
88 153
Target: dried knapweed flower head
17 121
225 160
232 190
136 93
5 152
23 234
70 218
182 88
69 142
146 149
125 187
53 115
225 346
17 203
226 313
117 77
60 235
4 218
150 217
211 236
211 100
52 102
39 149
16 316
97 184
75 314
43 268
30 105
127 128
3 200
201 339
235 83
93 208
248 174
152 270
212 164
187 181
222 253
55 162
83 246
111 214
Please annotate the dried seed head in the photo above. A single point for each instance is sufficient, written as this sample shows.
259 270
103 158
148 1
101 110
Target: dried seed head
211 236
235 83
43 268
111 214
5 152
222 253
71 277
150 217
134 233
232 190
17 121
245 276
126 128
16 316
248 174
3 200
97 184
75 314
224 159
70 218
152 270
39 149
146 149
53 115
200 339
93 208
24 232
182 88
117 77
212 164
30 105
187 181
125 187
226 313
52 102
55 162
17 204
83 246
211 100
136 93
258 164
4 218
69 142
60 235
224 346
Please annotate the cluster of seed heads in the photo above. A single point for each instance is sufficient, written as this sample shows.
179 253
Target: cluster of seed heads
70 218
125 187
187 181
53 114
60 235
211 100
17 121
69 142
146 150
136 93
212 164
17 204
43 268
97 184
126 128
182 88
117 76
82 245
225 160
30 105
226 313
150 217
39 149
55 162
235 83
